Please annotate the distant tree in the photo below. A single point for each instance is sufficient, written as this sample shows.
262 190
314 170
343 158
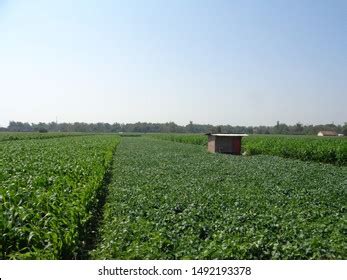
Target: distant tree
249 130
116 127
144 127
279 128
190 127
344 129
52 126
298 128
19 126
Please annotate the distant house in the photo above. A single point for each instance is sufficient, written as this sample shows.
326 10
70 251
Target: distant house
327 133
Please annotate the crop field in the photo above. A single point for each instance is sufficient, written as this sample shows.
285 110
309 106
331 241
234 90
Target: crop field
48 189
308 148
166 200
169 200
10 136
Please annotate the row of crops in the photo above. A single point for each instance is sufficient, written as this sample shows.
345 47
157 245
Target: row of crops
48 192
327 150
10 136
173 201
166 201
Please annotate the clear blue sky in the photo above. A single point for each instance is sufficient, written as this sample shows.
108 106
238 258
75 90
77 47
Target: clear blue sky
218 62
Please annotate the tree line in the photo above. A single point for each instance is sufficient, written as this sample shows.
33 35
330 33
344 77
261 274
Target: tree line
144 127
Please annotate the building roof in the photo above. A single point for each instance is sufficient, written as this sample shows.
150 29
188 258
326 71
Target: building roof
328 133
228 135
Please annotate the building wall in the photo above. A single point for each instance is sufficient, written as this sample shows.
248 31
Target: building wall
328 133
236 143
228 145
211 144
223 145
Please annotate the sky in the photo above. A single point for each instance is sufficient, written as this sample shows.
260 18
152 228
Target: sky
211 62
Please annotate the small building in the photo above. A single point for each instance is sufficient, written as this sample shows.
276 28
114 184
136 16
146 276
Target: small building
225 143
327 133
